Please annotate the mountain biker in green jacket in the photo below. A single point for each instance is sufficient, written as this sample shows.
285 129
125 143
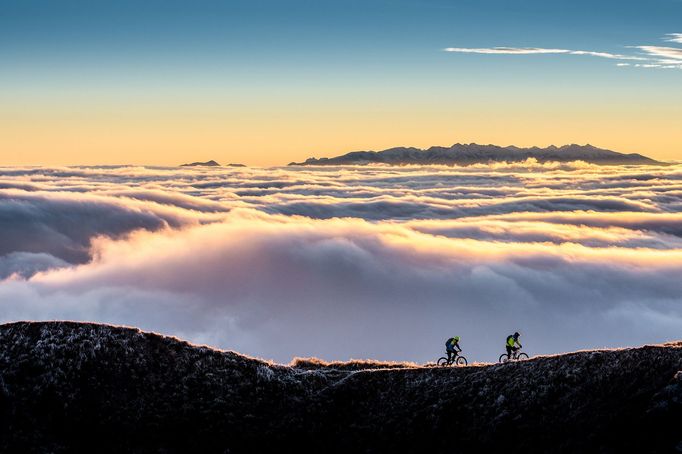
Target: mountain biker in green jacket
513 344
452 347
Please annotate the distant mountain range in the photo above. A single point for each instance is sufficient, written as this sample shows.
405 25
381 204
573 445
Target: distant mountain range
465 154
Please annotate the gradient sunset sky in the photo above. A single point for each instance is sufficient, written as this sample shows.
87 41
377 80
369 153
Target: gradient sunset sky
266 82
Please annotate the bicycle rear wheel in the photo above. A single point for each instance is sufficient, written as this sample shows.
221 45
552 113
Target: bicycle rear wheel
504 358
442 361
461 361
522 356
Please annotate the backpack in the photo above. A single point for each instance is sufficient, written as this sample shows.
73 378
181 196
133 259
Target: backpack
449 341
510 337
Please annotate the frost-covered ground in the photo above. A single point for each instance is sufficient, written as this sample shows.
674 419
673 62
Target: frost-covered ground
354 262
68 387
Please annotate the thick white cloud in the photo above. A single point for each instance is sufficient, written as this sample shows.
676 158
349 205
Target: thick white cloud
62 224
341 288
26 264
351 262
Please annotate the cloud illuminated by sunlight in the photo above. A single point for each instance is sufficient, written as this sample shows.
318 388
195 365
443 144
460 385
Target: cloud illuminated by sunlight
283 262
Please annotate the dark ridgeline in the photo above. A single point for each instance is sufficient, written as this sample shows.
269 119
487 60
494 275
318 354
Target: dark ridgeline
466 154
75 387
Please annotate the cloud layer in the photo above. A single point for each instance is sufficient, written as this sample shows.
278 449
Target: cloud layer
351 262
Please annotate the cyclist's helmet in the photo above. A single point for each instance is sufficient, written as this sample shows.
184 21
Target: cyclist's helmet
516 334
456 338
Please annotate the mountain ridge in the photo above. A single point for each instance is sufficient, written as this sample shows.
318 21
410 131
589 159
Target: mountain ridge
84 387
467 154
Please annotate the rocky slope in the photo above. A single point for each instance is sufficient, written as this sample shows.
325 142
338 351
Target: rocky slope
74 387
466 154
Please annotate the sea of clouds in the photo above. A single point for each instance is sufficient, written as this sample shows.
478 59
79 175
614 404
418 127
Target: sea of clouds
352 262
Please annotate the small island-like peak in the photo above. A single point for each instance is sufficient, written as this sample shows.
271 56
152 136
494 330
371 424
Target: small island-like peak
210 163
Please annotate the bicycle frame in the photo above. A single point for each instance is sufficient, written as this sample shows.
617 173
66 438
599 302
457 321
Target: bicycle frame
515 355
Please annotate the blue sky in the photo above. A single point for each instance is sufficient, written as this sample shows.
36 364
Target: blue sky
327 55
324 30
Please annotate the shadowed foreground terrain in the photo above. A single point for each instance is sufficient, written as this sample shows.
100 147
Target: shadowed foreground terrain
68 387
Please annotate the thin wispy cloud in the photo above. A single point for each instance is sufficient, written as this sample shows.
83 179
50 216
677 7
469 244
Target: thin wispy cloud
506 50
663 57
674 53
606 55
538 50
652 57
674 37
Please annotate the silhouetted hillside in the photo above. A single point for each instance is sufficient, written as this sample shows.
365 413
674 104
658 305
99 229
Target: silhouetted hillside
466 154
75 387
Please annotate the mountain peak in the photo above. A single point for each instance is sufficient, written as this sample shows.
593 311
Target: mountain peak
210 163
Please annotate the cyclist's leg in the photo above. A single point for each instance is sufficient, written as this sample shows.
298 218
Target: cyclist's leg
509 351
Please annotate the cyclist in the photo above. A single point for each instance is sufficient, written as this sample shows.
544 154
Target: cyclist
452 348
513 344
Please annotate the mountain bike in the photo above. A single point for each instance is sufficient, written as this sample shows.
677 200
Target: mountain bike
455 361
517 355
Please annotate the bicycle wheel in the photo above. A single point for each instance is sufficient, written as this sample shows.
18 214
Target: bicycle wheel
522 356
442 361
504 358
461 361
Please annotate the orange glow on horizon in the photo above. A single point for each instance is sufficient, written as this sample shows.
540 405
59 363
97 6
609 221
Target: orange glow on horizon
277 138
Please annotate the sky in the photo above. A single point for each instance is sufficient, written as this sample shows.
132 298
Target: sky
355 262
266 82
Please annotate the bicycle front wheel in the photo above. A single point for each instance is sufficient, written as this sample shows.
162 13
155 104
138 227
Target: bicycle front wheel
522 356
504 358
461 361
442 361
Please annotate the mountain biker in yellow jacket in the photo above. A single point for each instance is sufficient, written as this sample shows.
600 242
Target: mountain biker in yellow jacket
513 344
452 347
